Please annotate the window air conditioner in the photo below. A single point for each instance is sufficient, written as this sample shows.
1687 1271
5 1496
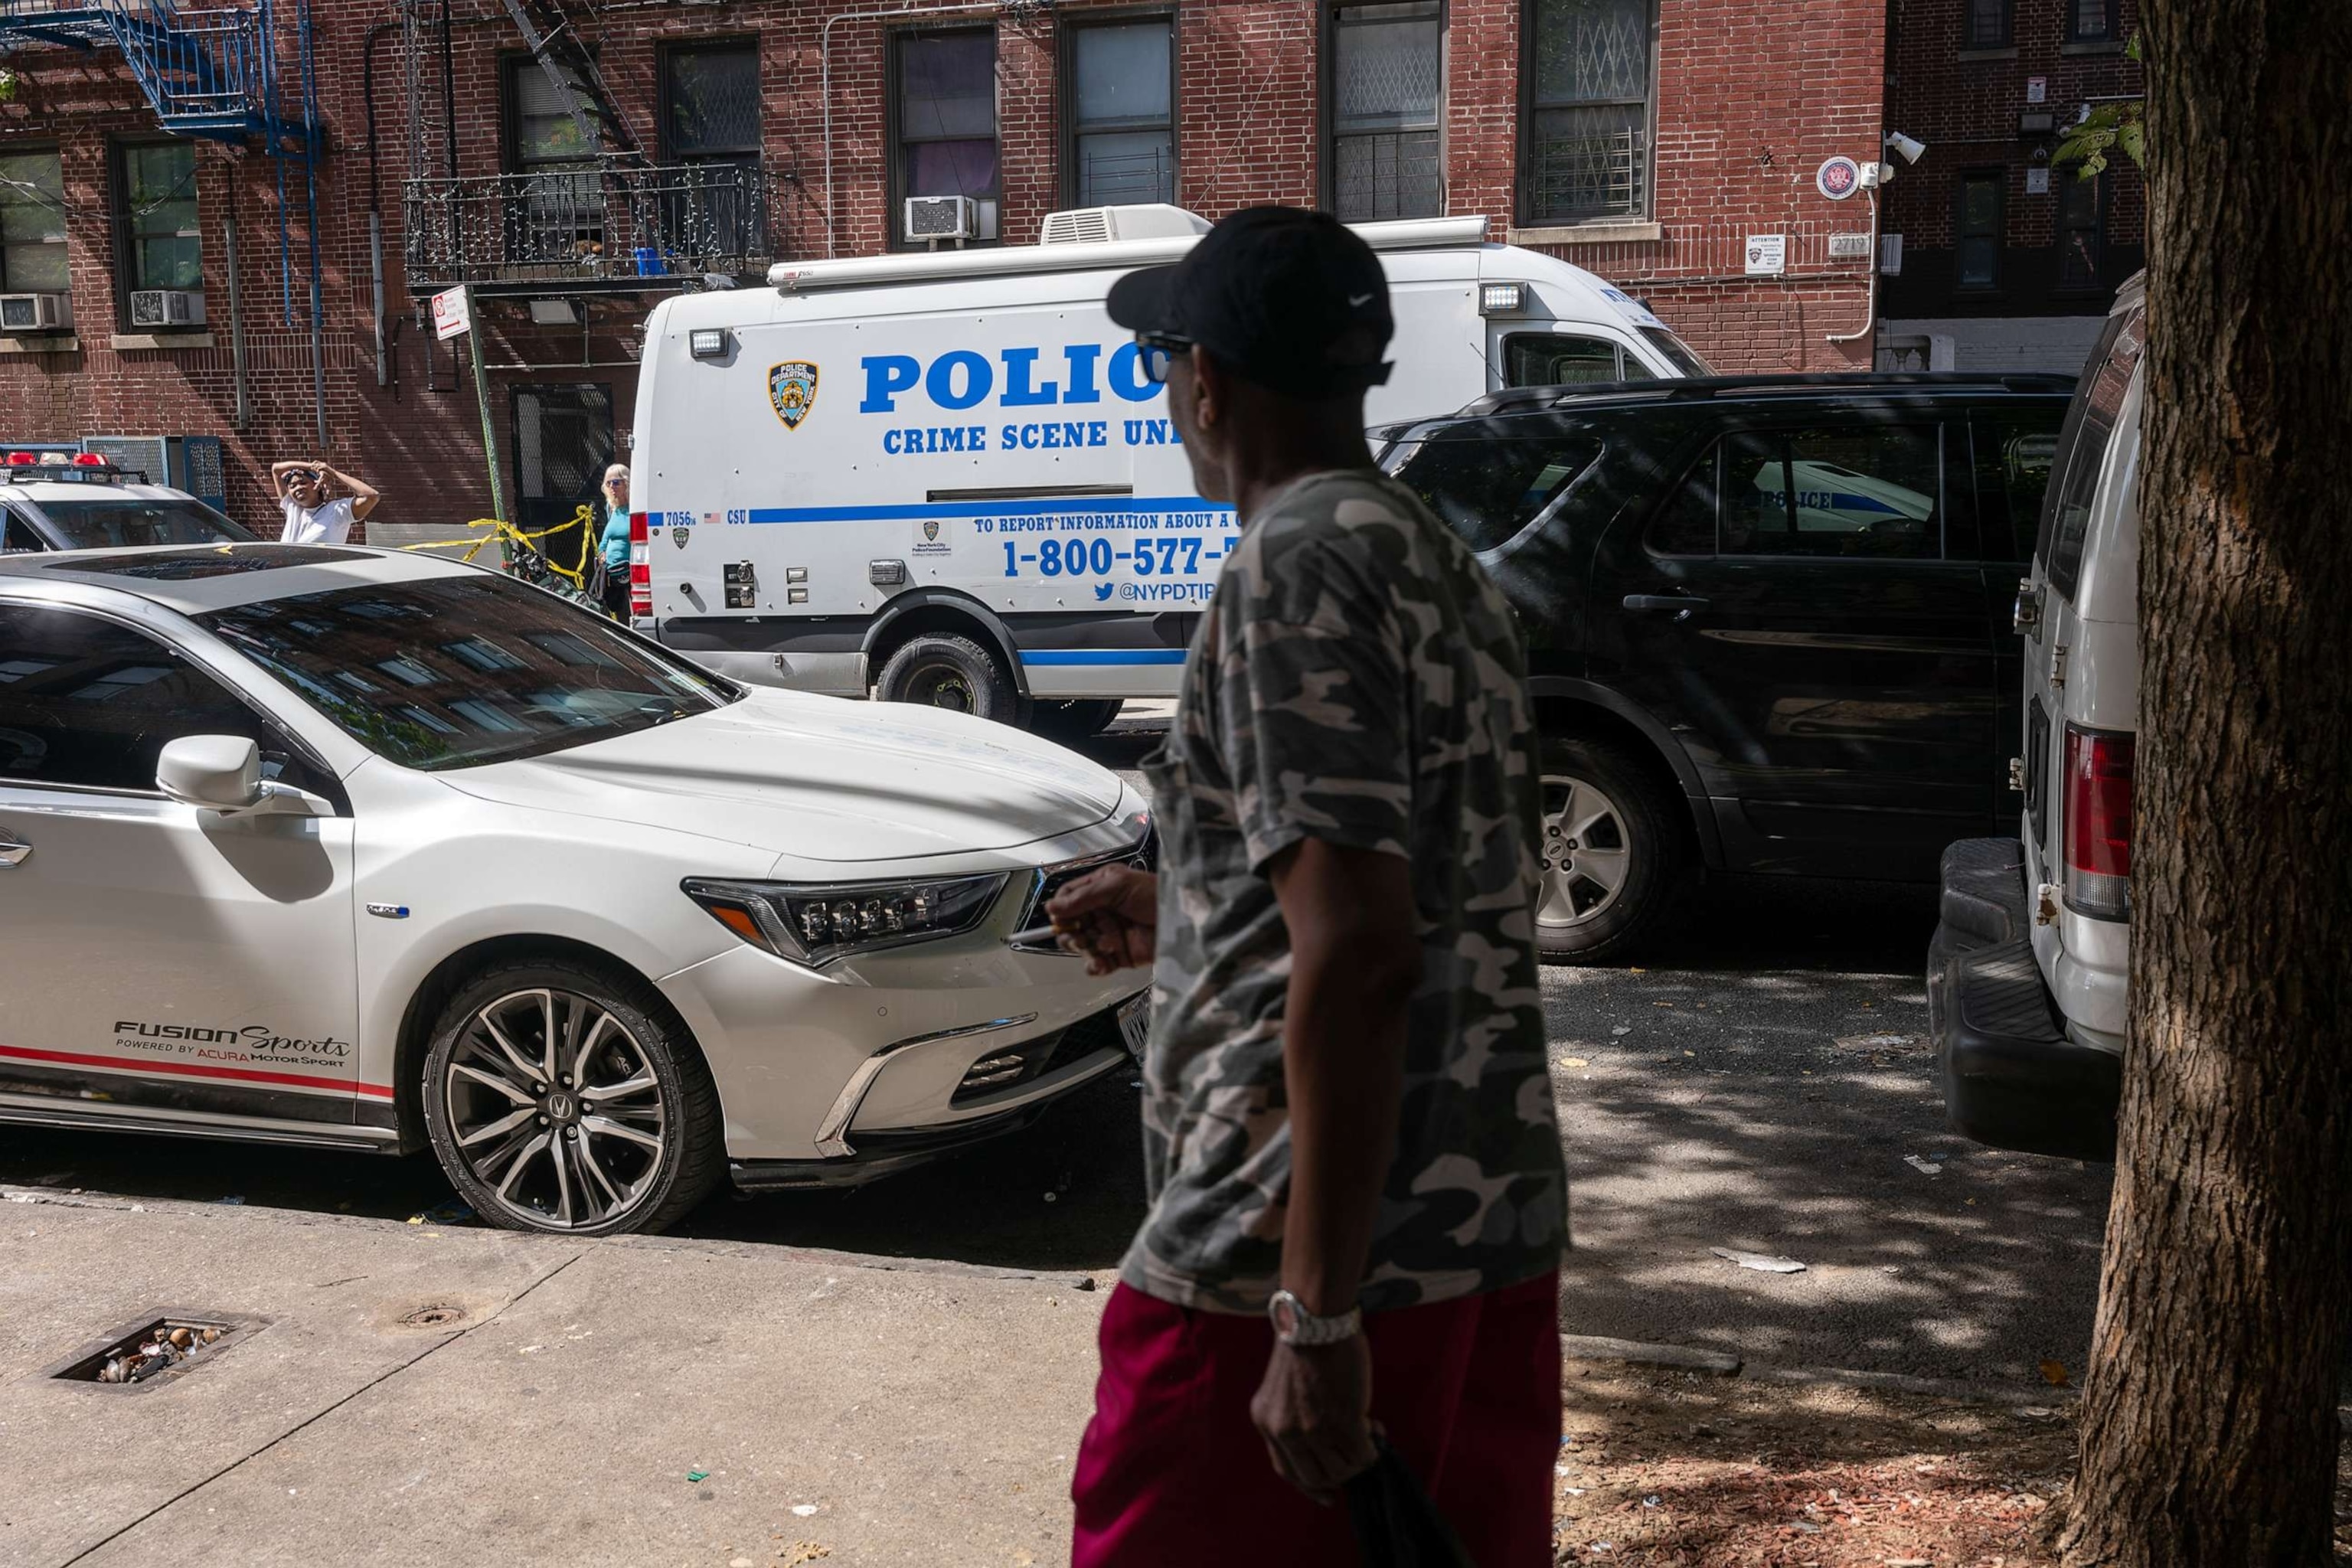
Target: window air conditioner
166 307
943 218
34 312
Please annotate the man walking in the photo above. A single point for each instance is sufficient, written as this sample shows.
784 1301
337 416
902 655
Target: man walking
1357 1197
310 517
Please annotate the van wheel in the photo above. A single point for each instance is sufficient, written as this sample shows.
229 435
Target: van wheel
1615 866
568 1098
1074 720
952 672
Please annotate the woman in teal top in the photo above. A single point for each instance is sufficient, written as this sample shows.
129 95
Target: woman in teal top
614 541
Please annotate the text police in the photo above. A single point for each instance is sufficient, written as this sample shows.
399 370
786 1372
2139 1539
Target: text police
960 379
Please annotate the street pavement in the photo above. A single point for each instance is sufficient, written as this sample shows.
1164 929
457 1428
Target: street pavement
1757 1087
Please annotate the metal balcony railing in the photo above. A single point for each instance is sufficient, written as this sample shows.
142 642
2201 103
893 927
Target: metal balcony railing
213 70
622 224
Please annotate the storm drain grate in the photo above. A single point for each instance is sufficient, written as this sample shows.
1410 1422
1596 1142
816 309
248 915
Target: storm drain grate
158 1348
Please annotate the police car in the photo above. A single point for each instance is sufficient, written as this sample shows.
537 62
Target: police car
947 477
351 848
77 501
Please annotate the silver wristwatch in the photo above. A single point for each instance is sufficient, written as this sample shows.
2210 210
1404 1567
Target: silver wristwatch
1295 1325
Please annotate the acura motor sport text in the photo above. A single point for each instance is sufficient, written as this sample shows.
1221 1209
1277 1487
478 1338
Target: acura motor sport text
343 847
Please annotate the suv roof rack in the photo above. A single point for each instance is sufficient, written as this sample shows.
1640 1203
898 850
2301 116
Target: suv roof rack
1521 399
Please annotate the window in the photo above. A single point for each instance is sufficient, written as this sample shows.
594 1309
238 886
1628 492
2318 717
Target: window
944 104
1387 80
404 669
563 444
2068 521
2012 453
1121 94
559 211
710 123
1837 491
1978 231
16 536
1986 24
1546 359
1587 110
90 704
1487 488
32 224
156 185
114 524
2082 230
2090 21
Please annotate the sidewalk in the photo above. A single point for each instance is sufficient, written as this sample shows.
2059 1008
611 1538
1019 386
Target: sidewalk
840 1410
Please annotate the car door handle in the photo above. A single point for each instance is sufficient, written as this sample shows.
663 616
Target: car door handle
1678 605
13 850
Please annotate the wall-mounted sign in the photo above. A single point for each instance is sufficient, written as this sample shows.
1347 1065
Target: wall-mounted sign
1838 178
451 315
2037 89
2037 181
1767 255
1849 247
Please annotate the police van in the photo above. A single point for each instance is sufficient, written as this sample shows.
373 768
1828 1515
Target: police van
945 477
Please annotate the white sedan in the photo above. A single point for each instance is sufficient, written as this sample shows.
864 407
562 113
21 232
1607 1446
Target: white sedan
341 847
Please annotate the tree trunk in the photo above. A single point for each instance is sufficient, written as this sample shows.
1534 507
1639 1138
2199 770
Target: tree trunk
2210 1432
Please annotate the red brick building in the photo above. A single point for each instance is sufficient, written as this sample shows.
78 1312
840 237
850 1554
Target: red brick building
1645 139
2007 262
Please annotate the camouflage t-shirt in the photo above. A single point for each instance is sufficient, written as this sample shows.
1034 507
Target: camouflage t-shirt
1356 680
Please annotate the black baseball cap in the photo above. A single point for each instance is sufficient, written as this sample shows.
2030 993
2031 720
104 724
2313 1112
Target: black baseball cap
1292 300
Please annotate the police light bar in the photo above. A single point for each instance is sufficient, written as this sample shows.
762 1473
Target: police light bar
21 460
89 461
1502 299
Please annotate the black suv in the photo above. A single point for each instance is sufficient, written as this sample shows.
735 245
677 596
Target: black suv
1768 619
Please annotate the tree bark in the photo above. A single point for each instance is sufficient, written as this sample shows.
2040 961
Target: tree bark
2210 1432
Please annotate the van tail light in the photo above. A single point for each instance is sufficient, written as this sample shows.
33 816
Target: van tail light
2098 824
641 570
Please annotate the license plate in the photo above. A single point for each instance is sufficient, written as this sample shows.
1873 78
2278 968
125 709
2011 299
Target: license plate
1135 1024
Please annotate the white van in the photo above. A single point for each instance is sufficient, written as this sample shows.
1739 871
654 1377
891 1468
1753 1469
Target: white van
2026 979
943 477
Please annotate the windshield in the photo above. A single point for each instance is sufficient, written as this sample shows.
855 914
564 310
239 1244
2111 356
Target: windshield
1679 354
110 521
455 672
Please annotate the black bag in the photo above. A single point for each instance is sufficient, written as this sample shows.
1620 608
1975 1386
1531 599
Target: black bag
1396 1524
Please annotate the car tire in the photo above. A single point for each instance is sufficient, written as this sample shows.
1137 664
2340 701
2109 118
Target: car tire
1074 720
1616 863
952 672
626 1136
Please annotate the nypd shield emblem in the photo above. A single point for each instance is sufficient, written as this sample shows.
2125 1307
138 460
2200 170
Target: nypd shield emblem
792 391
677 535
930 528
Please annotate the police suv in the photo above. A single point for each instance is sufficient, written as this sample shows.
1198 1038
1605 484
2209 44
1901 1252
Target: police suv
78 501
946 477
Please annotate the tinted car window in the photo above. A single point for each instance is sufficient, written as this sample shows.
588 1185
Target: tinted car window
2068 517
2012 457
16 536
90 702
455 672
111 521
1843 490
1487 489
1684 525
1549 359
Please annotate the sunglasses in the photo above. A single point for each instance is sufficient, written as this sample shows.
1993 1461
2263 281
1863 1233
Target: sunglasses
1160 351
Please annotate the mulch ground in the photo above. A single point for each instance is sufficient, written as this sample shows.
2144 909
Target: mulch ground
1662 1469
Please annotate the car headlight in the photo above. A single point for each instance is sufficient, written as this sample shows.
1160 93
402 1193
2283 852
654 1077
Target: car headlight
815 925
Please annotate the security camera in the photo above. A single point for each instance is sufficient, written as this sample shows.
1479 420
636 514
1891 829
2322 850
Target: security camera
1904 147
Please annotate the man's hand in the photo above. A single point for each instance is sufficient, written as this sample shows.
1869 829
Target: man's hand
1110 917
1314 1410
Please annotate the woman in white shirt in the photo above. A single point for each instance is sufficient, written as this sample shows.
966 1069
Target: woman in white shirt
310 517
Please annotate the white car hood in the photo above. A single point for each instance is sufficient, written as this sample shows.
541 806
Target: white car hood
819 778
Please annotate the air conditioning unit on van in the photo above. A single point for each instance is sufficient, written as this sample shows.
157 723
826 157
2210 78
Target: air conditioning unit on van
166 307
35 312
943 218
1142 220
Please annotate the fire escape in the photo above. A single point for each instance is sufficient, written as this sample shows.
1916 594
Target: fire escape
240 75
609 220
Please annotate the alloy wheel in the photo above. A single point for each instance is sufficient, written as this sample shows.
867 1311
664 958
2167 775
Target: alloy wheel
1585 850
556 1110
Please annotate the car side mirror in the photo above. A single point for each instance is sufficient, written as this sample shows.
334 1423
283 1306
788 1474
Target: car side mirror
223 773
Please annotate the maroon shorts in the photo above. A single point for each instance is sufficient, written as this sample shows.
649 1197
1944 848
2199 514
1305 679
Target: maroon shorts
1172 1471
